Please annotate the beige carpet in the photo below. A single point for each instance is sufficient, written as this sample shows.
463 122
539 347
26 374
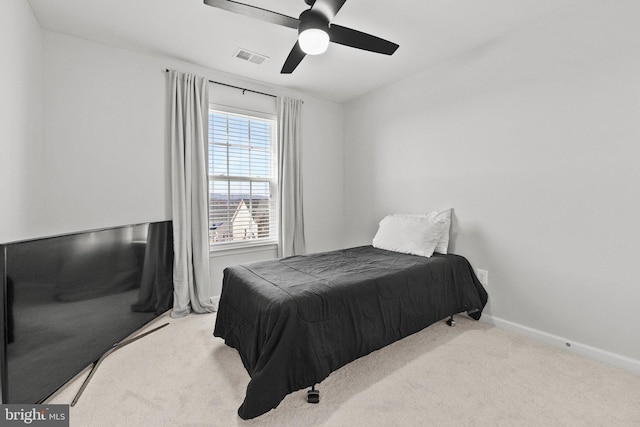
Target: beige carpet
470 375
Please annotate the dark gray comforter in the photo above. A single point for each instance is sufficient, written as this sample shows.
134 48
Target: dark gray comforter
297 319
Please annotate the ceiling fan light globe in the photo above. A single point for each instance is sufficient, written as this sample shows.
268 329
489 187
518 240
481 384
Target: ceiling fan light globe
313 41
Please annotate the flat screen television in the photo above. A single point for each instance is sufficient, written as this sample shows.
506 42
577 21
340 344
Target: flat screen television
66 300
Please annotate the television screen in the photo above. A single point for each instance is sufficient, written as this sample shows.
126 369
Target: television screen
68 299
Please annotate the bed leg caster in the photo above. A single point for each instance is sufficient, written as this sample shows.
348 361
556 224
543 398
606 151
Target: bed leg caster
313 395
451 322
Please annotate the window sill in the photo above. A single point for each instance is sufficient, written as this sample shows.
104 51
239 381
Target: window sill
241 248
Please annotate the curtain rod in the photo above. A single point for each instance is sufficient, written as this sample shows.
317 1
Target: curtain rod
238 87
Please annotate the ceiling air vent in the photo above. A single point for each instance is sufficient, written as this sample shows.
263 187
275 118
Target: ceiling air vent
247 55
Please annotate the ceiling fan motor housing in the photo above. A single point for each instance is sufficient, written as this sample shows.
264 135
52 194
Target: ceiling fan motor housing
311 19
313 32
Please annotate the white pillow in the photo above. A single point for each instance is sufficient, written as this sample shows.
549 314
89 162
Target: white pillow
443 216
409 234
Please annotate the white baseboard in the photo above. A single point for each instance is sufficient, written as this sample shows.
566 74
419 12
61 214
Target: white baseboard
614 359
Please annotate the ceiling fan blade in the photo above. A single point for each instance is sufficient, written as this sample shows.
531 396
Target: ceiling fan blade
329 8
295 56
359 40
255 12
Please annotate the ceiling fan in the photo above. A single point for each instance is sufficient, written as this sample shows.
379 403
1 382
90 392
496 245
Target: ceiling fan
315 30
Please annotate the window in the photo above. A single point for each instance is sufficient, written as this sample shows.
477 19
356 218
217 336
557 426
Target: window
242 179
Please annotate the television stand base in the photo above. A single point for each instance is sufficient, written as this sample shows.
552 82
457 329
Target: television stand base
106 353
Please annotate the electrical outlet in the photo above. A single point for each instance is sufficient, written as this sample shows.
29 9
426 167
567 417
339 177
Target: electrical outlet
483 276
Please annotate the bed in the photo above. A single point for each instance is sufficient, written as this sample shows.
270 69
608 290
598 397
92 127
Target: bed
297 319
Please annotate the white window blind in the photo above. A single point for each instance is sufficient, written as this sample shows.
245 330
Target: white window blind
242 183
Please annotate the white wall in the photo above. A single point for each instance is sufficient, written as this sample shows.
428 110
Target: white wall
105 142
534 140
20 122
107 151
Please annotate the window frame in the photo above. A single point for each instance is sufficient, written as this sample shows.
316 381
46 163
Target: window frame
256 243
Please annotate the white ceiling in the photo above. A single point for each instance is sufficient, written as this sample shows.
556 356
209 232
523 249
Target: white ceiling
428 31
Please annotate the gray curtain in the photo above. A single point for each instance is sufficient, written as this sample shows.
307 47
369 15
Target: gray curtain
189 191
291 220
